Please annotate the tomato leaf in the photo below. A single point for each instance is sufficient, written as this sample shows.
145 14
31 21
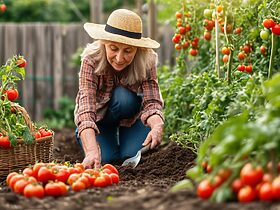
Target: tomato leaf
27 137
13 139
183 184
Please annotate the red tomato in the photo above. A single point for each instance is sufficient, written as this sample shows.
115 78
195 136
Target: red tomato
107 178
5 142
208 24
246 194
263 50
249 68
72 178
224 173
10 175
100 181
207 35
28 171
276 29
63 187
241 56
22 183
188 27
251 176
14 179
193 52
177 47
91 178
182 30
21 62
238 30
55 189
12 94
247 49
205 189
45 132
62 175
266 192
36 168
268 23
276 187
79 165
178 15
115 178
226 50
85 180
204 165
38 135
112 168
73 170
3 7
225 58
45 174
267 177
241 67
92 171
185 44
176 38
34 190
236 185
78 185
217 181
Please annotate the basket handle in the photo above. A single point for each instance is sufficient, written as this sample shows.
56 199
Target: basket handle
25 115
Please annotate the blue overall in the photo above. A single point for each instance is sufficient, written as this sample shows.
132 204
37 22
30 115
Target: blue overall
117 142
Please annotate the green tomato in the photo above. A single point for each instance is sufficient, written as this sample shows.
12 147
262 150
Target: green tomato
264 34
207 13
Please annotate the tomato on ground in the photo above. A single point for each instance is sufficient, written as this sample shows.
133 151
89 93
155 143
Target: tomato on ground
112 168
34 190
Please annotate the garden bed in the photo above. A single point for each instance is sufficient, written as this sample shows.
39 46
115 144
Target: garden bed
145 187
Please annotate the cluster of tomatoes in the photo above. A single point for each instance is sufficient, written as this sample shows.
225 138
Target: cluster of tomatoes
53 179
270 26
41 133
208 24
253 183
12 93
244 56
184 37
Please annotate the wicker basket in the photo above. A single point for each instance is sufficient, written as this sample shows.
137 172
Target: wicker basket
19 157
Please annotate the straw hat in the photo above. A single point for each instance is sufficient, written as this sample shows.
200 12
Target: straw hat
122 26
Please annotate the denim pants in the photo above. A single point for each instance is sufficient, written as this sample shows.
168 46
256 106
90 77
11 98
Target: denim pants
117 142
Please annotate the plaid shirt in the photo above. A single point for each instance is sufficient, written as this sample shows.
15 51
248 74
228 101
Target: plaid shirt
95 92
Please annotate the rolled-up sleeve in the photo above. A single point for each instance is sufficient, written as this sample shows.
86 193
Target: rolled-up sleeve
152 100
85 110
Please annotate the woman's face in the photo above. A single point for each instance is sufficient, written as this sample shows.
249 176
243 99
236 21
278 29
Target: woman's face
119 55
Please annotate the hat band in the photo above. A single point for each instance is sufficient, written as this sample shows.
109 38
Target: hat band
118 31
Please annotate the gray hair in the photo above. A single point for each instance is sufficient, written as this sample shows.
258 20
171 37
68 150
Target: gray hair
145 59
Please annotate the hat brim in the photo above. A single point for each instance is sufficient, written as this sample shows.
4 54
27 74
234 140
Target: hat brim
97 31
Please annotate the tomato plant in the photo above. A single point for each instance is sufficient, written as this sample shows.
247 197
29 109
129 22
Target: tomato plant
12 125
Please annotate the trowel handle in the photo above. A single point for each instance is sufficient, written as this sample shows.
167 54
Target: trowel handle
146 148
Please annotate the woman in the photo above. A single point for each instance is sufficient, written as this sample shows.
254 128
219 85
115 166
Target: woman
118 105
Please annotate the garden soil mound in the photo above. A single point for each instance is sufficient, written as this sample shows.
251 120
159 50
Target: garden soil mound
145 187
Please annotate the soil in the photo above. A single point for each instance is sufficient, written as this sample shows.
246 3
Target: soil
145 187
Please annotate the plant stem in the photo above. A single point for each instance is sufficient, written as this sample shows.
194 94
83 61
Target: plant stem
272 54
217 46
